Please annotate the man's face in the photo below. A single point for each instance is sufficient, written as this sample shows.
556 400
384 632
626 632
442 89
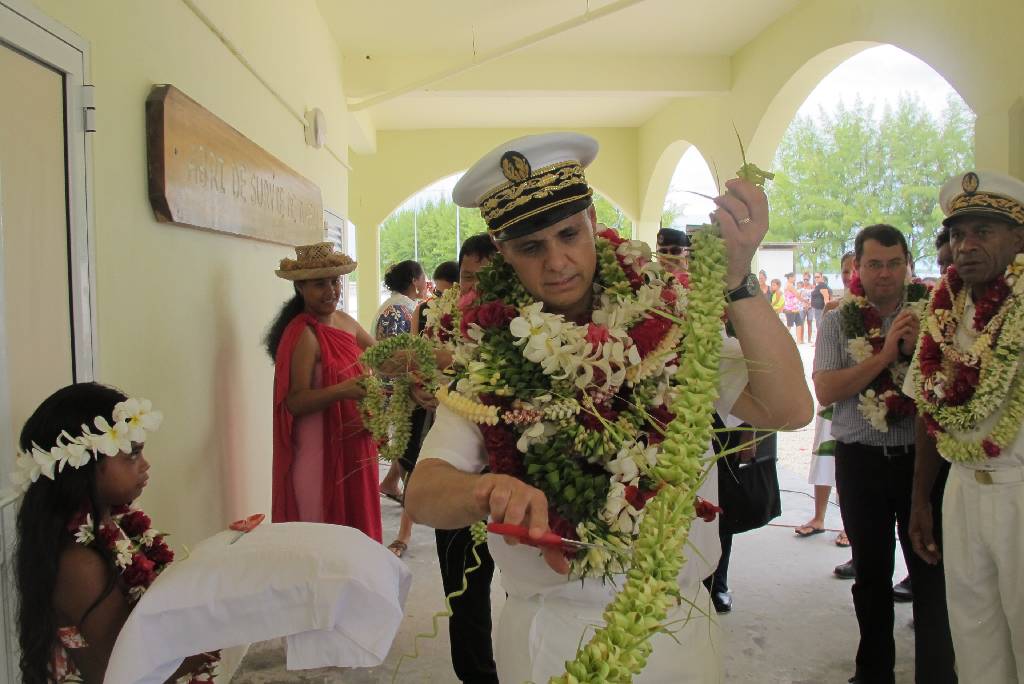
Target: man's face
883 270
944 257
983 247
471 265
819 278
557 264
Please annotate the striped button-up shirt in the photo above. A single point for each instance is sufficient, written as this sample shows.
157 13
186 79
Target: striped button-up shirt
848 425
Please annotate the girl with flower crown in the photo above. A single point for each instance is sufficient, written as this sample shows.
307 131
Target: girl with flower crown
84 557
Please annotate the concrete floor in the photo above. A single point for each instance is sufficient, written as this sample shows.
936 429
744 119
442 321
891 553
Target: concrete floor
792 622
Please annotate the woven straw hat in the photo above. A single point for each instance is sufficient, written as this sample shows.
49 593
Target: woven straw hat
315 261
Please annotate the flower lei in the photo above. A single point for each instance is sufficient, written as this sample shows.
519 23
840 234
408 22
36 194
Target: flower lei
958 389
882 403
443 318
140 554
133 420
543 387
387 411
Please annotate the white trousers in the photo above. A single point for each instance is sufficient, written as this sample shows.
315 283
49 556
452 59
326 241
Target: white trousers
983 552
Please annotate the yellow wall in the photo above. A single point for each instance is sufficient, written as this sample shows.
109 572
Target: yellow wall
181 312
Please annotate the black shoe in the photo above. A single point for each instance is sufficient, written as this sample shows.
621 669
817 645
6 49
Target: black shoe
857 679
845 571
903 592
722 601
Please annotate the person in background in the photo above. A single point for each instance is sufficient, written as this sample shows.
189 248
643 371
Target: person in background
762 282
445 275
820 296
793 308
943 252
325 461
874 458
408 284
778 300
804 289
823 464
674 252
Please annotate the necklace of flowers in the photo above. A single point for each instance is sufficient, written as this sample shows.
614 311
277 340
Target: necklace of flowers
387 407
140 555
958 389
133 419
543 388
443 317
882 402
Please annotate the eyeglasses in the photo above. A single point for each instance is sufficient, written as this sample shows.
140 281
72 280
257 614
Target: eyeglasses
674 250
892 265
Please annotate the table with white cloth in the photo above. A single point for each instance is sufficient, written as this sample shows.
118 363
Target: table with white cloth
334 595
548 616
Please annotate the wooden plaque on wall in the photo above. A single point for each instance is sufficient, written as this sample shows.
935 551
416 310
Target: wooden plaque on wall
203 173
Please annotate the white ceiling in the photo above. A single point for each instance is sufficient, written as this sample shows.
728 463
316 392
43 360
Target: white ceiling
397 50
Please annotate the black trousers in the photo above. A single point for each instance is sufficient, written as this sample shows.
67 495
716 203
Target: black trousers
718 583
469 627
875 488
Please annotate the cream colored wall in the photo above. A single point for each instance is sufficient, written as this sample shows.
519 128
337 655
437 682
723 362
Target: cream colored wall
181 312
407 161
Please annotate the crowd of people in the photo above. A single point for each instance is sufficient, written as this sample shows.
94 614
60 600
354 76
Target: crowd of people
919 410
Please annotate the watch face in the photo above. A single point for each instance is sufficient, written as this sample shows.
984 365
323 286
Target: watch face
753 287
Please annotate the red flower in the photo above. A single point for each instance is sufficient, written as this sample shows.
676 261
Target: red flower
954 279
931 424
637 497
930 356
109 534
990 302
965 379
597 334
468 318
668 295
706 510
942 300
612 237
135 523
591 422
160 552
648 333
872 321
992 449
856 287
495 314
503 456
141 572
446 322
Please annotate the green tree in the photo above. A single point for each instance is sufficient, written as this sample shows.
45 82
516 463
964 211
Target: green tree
611 216
848 168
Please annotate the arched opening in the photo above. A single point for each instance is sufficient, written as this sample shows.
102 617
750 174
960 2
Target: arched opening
610 214
687 200
428 227
871 143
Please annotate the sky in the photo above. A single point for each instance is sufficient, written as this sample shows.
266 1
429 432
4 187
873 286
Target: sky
879 75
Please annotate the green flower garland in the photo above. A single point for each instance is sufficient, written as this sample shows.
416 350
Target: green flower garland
620 648
387 413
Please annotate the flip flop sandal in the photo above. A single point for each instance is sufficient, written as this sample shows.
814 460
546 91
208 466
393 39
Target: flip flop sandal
813 531
393 497
398 547
842 541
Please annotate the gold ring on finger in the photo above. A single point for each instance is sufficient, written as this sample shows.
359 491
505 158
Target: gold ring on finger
744 220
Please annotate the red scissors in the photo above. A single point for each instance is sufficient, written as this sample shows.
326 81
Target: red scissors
547 539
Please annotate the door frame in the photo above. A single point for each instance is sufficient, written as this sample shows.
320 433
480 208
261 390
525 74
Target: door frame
26 30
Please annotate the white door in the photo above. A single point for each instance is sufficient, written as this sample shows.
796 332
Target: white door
46 331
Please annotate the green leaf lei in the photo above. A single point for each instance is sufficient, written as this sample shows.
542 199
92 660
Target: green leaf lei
387 411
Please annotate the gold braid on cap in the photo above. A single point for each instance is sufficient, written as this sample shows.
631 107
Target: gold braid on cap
546 188
990 202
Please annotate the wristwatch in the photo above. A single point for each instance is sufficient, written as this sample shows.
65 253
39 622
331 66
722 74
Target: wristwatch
748 288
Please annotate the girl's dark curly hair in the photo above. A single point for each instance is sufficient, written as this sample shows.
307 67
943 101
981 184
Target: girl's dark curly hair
400 277
289 310
45 511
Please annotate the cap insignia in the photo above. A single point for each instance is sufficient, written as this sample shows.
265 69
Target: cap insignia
970 182
515 166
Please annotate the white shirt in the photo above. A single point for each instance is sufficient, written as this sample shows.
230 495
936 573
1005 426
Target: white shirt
524 573
1013 455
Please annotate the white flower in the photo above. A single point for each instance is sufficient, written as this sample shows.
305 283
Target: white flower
112 439
84 534
624 467
140 417
26 471
538 432
860 349
76 451
634 252
620 516
148 537
46 460
123 553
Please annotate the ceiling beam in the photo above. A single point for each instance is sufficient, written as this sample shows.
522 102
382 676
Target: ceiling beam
671 76
484 57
